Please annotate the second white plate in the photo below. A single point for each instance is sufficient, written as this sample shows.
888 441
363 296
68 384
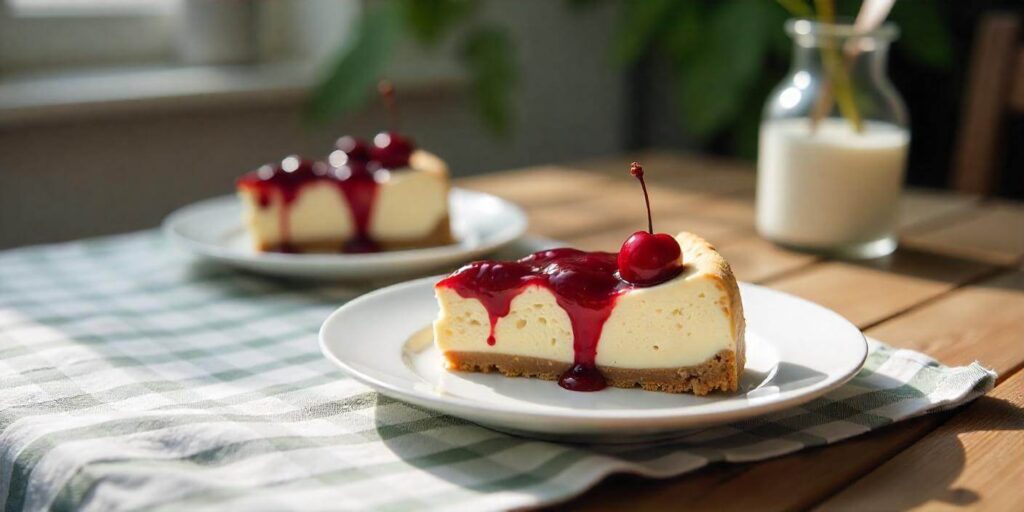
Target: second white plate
796 351
212 229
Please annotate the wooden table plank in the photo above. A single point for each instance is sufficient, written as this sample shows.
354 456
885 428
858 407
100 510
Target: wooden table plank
706 189
757 260
868 292
702 174
979 322
569 220
994 232
736 208
803 479
611 239
919 206
625 198
538 186
635 493
698 173
972 461
753 258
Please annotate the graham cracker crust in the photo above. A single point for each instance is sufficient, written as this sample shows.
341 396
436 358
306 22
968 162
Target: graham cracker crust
718 373
441 235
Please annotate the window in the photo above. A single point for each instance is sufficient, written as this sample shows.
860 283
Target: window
86 7
46 34
63 34
62 57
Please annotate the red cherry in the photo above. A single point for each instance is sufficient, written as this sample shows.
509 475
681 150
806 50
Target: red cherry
352 170
353 148
391 150
646 258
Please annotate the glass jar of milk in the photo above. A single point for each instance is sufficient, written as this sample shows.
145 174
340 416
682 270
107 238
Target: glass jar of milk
833 145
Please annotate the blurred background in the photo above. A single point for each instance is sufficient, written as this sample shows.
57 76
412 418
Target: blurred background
115 112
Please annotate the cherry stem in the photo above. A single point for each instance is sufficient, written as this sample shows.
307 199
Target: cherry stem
637 171
387 94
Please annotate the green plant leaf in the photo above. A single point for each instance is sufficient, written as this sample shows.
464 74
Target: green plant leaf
643 22
780 45
430 20
743 137
686 32
357 66
583 5
488 55
707 94
711 83
745 131
926 36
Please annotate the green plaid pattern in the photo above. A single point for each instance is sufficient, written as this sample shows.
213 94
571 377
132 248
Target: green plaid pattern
134 378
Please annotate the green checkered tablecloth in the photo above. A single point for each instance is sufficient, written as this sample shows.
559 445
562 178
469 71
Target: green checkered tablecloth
134 378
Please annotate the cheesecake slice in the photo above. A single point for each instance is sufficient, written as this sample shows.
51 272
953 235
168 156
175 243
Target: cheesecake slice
571 316
357 201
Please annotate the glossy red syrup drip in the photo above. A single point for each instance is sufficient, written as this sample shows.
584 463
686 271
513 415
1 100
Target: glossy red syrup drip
582 378
359 186
585 285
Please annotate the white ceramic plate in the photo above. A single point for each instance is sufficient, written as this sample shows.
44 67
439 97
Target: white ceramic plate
796 351
213 229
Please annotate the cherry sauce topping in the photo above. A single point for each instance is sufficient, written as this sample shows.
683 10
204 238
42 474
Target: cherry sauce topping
355 179
358 183
585 285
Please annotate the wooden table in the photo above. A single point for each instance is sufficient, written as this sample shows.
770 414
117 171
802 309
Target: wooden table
954 289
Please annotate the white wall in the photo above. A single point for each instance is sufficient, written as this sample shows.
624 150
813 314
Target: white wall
66 179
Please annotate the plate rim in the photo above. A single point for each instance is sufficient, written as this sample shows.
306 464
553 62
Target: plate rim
459 406
170 225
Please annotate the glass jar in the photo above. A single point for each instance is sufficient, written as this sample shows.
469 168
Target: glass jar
833 145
